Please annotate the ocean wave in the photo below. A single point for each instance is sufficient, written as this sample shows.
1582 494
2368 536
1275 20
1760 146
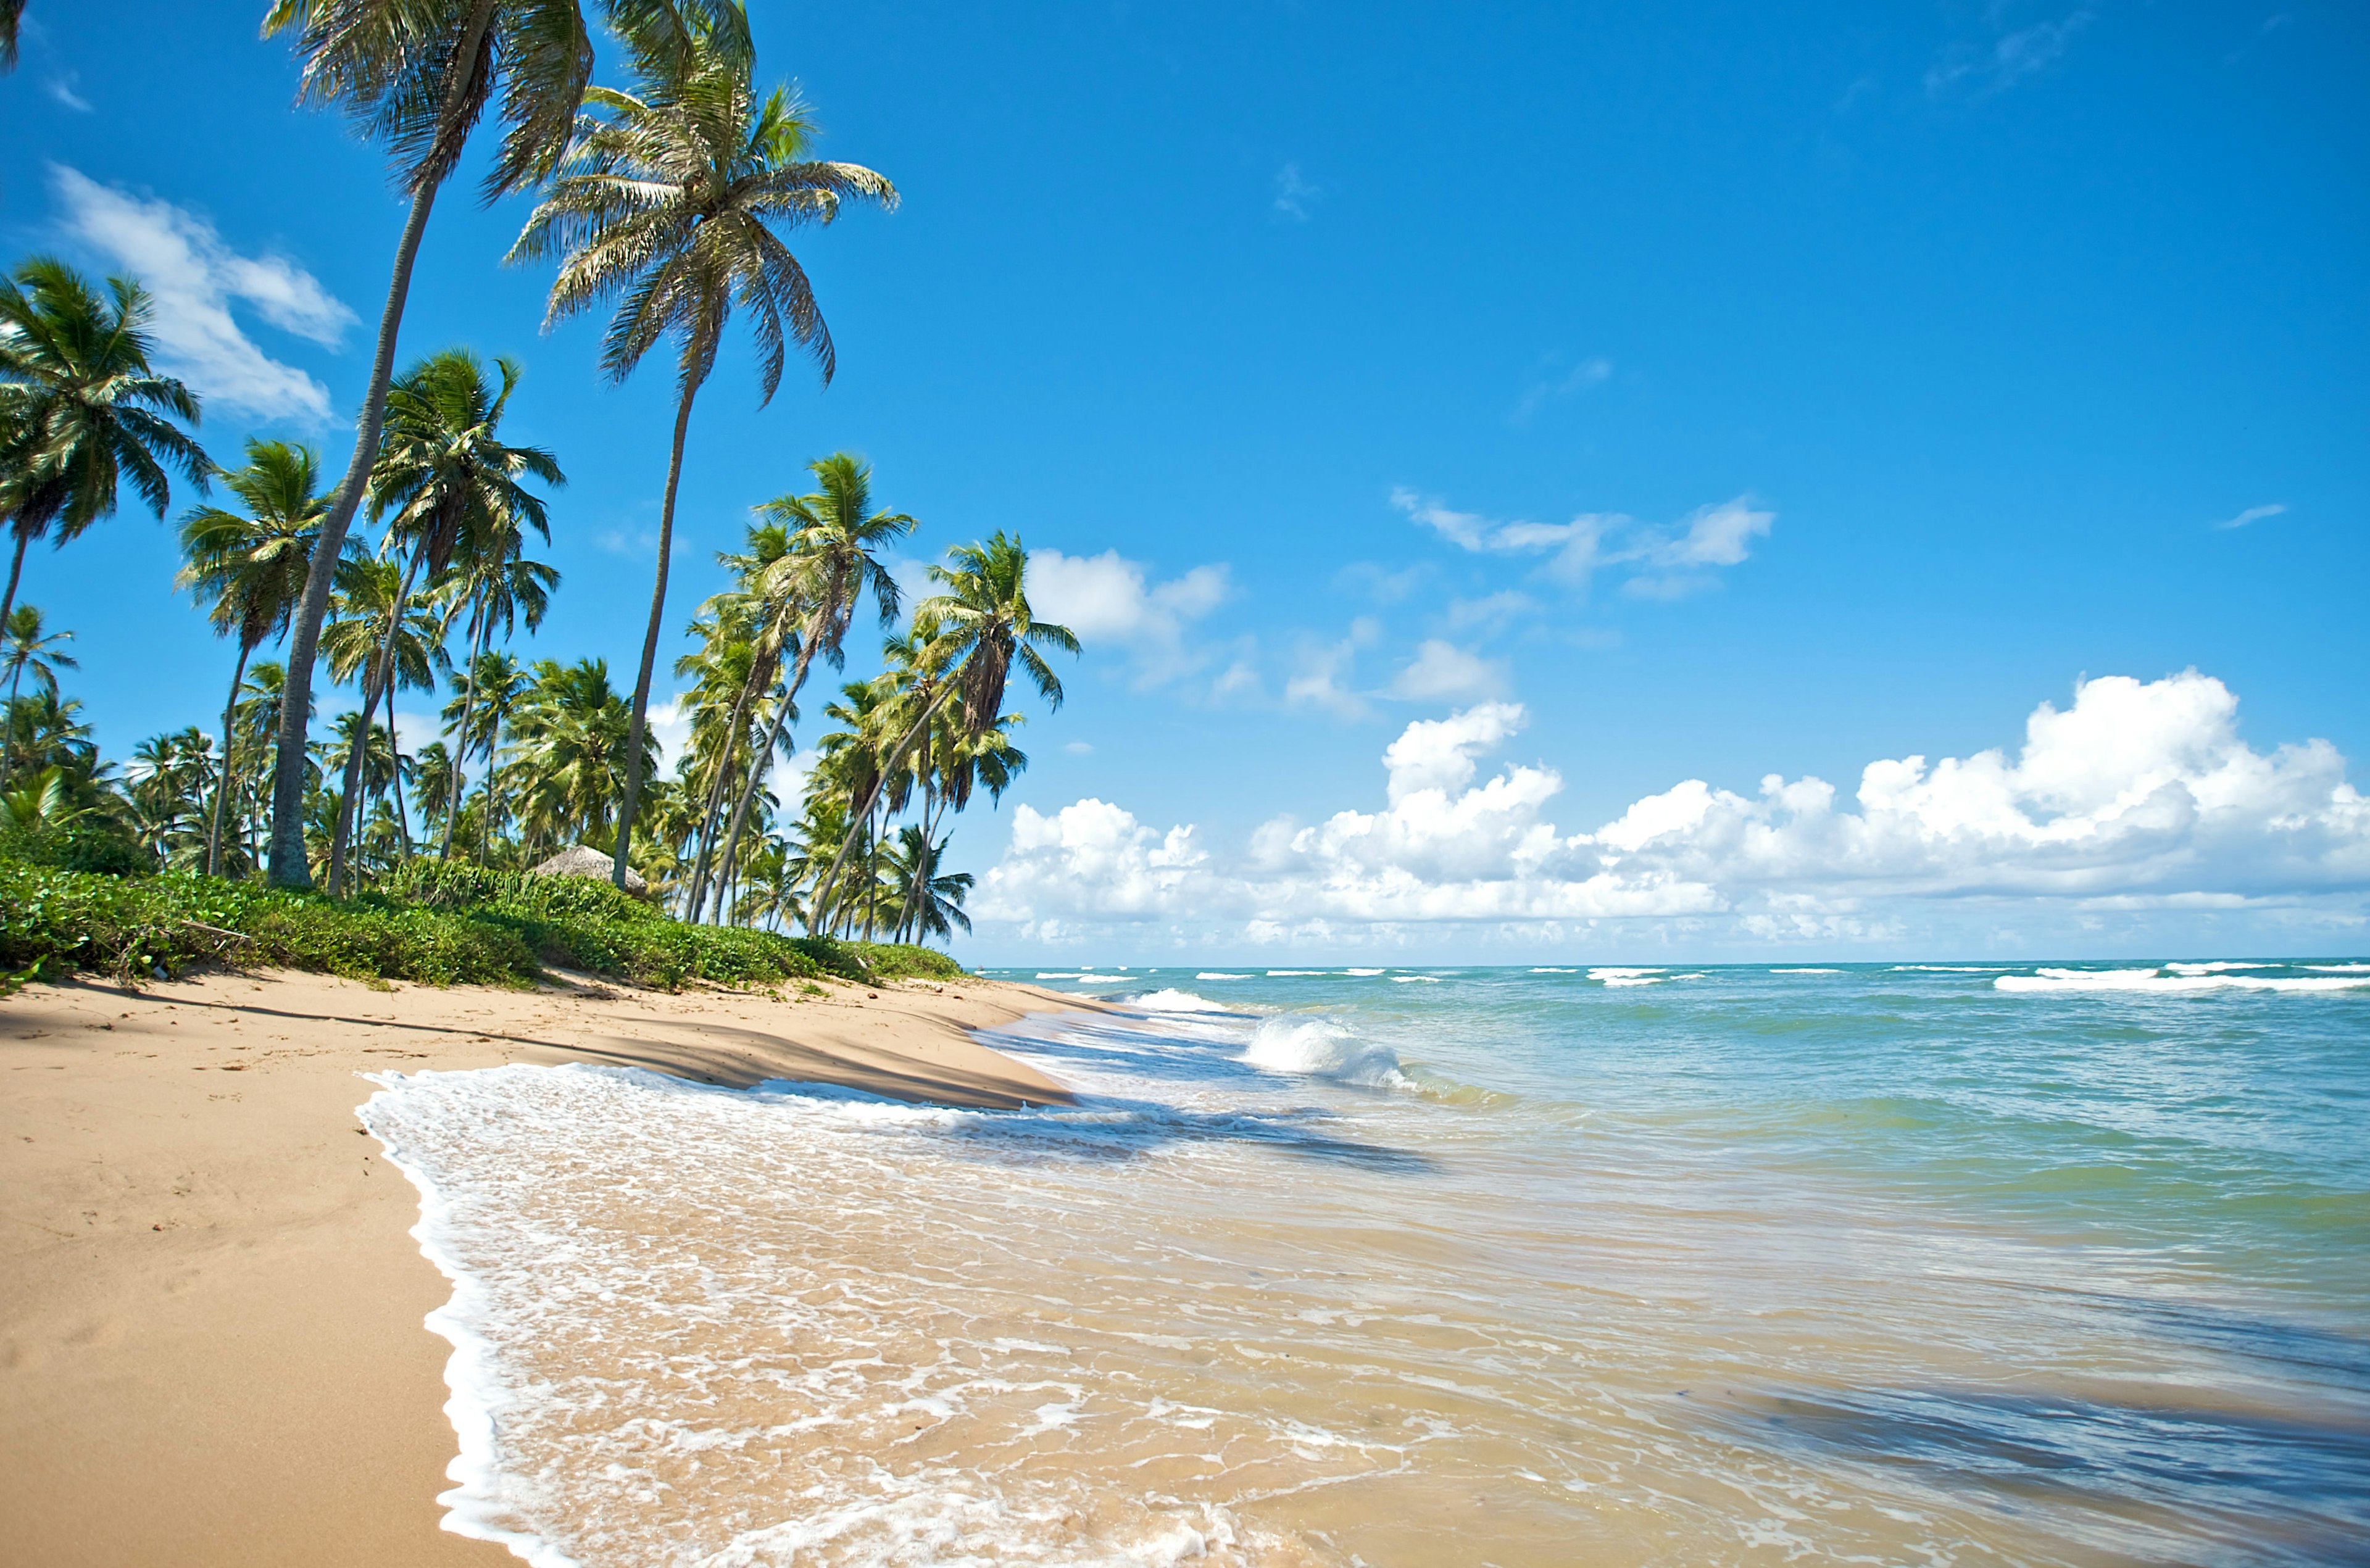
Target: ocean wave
1948 968
1213 974
1543 971
2219 965
2152 980
1062 975
1169 1000
1415 980
1615 975
1322 1047
2339 969
1806 972
1363 974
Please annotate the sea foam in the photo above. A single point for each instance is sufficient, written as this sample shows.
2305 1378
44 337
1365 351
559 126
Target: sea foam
2153 980
1321 1048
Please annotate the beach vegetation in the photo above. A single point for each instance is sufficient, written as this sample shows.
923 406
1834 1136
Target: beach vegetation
669 203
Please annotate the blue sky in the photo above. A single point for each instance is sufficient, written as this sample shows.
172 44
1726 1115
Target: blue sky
1737 393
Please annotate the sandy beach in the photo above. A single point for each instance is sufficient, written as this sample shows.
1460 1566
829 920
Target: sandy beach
213 1347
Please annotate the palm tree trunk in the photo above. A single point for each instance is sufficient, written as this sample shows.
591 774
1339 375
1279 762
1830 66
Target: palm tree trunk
288 868
707 813
493 790
831 875
461 739
651 643
395 749
213 828
350 809
8 607
762 759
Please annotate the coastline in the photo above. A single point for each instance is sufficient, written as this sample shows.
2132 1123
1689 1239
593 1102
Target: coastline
214 1350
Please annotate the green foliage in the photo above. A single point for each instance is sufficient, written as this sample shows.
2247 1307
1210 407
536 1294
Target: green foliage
55 921
98 844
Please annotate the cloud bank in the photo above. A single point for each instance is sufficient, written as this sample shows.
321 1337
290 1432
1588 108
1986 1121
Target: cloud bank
2140 797
194 277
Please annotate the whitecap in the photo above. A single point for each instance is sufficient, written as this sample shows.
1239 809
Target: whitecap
1363 974
2150 981
1415 980
1555 971
1295 971
2341 968
1213 974
1169 999
1613 975
1806 972
2220 966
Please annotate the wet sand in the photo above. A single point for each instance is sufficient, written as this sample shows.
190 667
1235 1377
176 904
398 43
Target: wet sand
213 1351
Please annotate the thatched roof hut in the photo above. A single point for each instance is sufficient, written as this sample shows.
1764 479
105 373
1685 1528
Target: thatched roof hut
581 861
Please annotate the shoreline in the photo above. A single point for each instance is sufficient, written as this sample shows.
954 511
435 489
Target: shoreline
215 1349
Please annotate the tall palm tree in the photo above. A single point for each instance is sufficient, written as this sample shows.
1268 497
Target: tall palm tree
11 12
418 75
448 479
929 901
81 410
26 643
981 627
250 569
737 633
497 689
831 565
388 638
668 201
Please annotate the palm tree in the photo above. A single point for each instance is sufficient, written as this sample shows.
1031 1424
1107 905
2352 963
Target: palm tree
250 570
388 637
256 725
496 586
26 643
980 628
82 411
418 74
569 745
498 688
452 485
669 198
11 12
830 565
929 902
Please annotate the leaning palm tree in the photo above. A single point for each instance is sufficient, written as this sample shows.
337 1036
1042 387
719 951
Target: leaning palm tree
831 565
81 410
250 569
668 201
981 627
418 75
29 644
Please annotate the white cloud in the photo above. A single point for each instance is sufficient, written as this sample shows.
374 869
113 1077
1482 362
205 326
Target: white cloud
2140 797
1664 562
1322 672
1295 193
2009 57
194 276
63 88
1547 388
1106 599
2253 514
670 724
1441 671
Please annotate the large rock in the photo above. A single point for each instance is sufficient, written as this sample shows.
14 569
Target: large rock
595 864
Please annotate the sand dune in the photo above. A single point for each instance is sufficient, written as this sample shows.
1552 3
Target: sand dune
214 1352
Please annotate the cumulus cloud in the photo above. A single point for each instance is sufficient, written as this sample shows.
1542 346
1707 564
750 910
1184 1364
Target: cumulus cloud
2140 796
1665 561
195 276
1107 599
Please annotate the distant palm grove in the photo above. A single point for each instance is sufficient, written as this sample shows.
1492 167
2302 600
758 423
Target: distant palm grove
665 203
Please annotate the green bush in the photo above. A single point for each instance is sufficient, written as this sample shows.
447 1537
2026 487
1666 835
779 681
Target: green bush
93 843
437 924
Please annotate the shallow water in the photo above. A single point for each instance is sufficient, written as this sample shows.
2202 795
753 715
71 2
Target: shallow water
1891 1263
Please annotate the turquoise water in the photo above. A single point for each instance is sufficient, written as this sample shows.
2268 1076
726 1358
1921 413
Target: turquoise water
2146 1186
2063 1265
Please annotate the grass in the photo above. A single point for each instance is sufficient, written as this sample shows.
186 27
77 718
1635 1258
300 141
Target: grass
436 924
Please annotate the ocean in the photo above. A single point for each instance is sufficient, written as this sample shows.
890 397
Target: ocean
1930 1263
